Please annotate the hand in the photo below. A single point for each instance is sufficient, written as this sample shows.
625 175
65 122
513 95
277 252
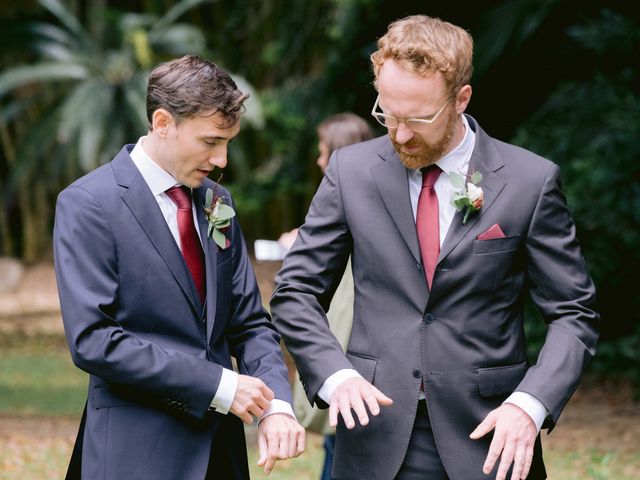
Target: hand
287 238
353 393
513 441
252 397
280 437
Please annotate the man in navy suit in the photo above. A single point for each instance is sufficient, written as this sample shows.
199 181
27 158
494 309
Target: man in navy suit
154 308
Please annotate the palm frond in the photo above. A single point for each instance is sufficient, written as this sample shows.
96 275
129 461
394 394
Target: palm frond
38 73
71 22
75 110
173 14
180 39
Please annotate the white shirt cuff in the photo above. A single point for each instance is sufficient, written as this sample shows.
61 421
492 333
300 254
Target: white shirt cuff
226 392
531 405
278 406
331 383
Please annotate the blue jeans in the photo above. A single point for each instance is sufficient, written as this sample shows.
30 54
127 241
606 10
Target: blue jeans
329 445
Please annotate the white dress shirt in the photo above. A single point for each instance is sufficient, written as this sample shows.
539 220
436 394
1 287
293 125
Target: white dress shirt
457 160
159 181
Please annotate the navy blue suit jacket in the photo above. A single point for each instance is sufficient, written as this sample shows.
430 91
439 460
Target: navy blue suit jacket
134 322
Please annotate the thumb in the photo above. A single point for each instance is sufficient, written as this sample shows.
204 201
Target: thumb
485 427
262 449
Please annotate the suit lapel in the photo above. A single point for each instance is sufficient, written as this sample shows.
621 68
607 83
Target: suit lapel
144 208
486 160
387 176
210 259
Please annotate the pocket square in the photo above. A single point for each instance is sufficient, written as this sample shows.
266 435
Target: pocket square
494 232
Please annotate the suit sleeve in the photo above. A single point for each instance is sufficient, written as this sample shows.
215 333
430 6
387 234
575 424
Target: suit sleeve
87 275
565 295
307 281
254 340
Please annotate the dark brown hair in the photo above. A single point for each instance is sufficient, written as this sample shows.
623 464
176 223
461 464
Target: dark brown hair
191 86
343 129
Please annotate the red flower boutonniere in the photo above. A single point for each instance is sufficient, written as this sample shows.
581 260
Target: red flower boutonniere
471 197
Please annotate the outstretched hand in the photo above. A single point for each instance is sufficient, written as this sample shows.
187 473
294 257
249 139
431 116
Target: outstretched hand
513 441
353 393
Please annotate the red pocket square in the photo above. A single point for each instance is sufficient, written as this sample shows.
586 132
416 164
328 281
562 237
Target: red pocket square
494 232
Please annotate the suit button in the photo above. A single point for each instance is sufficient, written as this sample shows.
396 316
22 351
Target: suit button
417 373
428 318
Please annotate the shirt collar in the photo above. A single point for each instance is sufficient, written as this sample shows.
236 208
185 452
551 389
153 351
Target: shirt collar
457 160
156 177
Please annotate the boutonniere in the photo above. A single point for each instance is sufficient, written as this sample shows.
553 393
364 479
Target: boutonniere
219 216
470 197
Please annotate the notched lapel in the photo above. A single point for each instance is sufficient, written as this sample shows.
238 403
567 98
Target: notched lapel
486 160
210 259
143 206
387 176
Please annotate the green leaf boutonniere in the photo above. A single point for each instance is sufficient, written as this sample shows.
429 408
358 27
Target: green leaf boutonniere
471 197
219 215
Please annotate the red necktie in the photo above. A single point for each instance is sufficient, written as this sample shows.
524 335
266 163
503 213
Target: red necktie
191 247
427 222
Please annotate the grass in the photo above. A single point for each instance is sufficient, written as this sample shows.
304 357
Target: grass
42 395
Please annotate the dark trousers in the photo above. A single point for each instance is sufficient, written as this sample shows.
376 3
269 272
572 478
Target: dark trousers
422 461
226 461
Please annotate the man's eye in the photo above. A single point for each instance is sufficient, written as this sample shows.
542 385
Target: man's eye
211 143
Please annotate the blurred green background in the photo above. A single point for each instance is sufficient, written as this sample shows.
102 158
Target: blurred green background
559 77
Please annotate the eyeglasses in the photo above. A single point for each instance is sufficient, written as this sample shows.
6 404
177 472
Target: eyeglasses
417 125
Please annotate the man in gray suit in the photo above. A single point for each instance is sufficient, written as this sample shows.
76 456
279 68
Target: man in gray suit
437 338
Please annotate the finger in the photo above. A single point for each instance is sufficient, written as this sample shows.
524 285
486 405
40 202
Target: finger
345 411
528 459
283 447
256 411
262 449
518 462
333 413
506 459
381 398
246 417
485 427
302 442
267 392
272 451
293 443
497 444
358 408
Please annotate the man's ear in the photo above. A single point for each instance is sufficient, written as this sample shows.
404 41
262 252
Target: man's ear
463 98
161 120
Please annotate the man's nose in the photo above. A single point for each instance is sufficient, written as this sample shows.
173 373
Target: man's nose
403 133
219 157
219 161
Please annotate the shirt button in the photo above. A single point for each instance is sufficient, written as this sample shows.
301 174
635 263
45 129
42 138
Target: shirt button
428 318
417 373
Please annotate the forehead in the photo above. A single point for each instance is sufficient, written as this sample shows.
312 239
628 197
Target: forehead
407 92
211 126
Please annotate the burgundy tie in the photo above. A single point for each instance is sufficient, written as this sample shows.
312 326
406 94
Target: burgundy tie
191 247
427 223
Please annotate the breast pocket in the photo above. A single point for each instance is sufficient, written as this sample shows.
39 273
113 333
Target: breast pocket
496 245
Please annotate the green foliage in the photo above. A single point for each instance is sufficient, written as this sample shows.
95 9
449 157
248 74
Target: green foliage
591 129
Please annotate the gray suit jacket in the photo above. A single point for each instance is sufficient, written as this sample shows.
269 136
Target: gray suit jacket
465 337
134 322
